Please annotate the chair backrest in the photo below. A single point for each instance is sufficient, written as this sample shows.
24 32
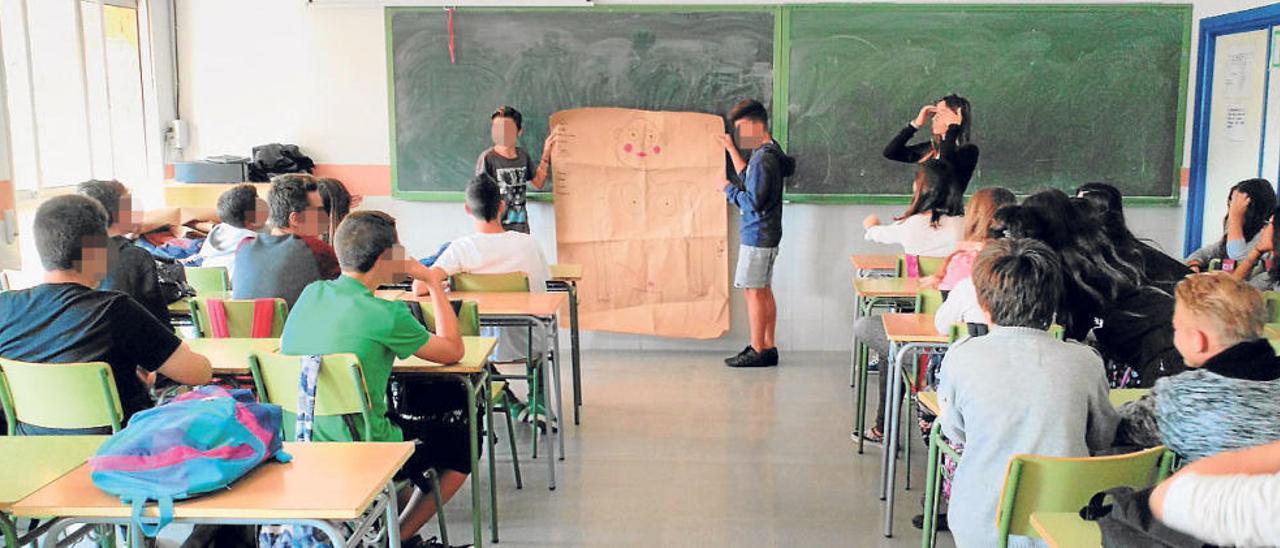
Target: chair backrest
207 279
928 265
928 301
239 317
1058 332
468 318
340 388
1035 483
60 395
1214 265
1272 300
511 282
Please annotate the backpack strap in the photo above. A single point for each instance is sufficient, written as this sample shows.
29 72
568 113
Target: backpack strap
310 370
264 316
217 318
139 504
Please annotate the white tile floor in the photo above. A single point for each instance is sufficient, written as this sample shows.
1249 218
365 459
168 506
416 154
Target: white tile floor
675 449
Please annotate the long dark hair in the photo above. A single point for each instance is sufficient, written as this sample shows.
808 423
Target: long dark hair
335 200
1108 208
935 193
1095 271
962 106
1262 201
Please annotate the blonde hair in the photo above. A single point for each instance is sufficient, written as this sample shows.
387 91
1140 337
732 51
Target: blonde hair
1229 307
981 209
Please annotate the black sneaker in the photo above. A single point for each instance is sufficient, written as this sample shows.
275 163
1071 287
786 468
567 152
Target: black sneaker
770 356
750 358
941 525
739 355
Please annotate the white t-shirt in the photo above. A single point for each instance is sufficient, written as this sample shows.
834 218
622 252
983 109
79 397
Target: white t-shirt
917 237
961 306
502 253
1231 510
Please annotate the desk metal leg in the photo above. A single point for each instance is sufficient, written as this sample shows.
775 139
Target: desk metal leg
893 410
576 356
555 367
486 395
473 442
392 515
546 396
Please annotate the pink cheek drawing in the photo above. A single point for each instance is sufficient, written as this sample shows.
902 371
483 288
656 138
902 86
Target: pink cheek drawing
626 147
657 149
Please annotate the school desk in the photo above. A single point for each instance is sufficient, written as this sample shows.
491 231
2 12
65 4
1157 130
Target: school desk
866 266
28 463
231 357
524 309
1121 396
565 278
908 335
869 293
182 307
325 484
194 195
1066 530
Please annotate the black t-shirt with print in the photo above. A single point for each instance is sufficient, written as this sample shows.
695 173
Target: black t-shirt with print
513 176
71 323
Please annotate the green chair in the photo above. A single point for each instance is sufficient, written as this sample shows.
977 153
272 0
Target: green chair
928 301
207 279
510 282
86 396
340 392
1037 483
928 265
499 396
239 317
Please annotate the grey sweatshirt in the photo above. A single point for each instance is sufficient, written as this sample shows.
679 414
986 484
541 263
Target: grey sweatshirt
1016 390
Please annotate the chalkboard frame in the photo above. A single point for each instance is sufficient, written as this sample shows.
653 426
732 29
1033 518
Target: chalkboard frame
781 76
546 196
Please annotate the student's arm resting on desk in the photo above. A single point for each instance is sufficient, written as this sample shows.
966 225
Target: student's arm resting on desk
1227 499
886 234
187 367
446 346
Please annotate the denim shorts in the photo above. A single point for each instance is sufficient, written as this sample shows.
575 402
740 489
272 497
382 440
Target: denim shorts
755 267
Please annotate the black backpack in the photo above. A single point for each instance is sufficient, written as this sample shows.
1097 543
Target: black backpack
276 159
1127 522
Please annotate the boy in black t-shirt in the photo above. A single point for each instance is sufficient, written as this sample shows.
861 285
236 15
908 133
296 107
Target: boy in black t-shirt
130 270
66 320
512 167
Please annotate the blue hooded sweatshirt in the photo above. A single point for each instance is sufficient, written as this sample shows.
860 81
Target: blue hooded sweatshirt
759 197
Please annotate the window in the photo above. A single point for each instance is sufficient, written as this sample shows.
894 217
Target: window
75 105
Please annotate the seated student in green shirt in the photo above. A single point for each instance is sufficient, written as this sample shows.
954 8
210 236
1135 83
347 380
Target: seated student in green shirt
343 316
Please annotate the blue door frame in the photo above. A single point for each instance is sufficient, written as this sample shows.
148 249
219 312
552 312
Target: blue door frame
1211 28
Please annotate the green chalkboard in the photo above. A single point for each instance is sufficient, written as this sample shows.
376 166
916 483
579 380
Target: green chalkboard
1061 94
544 60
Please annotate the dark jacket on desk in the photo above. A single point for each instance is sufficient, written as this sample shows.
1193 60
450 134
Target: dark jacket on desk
963 158
1229 403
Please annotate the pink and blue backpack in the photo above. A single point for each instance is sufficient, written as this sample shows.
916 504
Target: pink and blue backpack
200 442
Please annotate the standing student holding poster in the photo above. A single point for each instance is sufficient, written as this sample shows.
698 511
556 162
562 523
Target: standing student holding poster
512 167
951 119
759 198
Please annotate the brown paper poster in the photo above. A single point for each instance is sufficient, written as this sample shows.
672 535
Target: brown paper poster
636 208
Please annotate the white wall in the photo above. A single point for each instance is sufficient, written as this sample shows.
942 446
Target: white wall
253 72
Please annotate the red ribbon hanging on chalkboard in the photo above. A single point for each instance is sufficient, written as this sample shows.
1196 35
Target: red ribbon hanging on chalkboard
452 59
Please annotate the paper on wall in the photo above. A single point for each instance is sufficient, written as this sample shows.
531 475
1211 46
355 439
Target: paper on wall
635 207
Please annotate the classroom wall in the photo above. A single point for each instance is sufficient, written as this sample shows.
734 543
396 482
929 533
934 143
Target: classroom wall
255 72
9 258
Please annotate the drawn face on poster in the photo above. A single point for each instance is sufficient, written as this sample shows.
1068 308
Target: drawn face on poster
637 143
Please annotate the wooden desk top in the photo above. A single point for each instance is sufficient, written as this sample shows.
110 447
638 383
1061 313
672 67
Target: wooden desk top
334 481
542 305
566 272
231 356
930 401
886 287
1066 530
874 262
28 463
912 328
